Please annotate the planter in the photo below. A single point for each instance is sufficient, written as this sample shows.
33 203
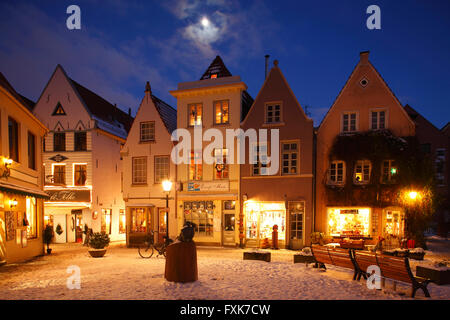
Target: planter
401 254
416 255
263 256
97 253
440 277
299 258
49 251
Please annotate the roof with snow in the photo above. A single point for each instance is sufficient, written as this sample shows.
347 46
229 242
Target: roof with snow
109 117
216 69
167 113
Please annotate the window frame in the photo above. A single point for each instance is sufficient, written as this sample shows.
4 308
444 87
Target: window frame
195 168
155 169
31 150
391 164
363 164
290 152
76 139
226 168
356 113
377 111
152 128
14 139
266 111
63 165
259 165
75 172
106 212
221 111
196 105
60 148
133 171
344 170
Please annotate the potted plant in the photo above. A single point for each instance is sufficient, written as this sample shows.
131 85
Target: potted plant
98 241
48 236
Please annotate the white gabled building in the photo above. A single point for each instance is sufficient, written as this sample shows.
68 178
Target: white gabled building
82 159
146 164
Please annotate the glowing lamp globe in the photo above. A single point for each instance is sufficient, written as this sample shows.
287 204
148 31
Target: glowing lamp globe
167 185
412 195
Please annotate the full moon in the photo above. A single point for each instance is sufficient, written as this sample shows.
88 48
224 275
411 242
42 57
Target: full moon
205 22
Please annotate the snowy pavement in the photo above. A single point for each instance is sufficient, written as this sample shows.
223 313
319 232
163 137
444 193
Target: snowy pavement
223 274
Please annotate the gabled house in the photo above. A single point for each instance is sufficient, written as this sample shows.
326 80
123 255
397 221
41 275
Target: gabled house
360 144
21 178
283 197
146 164
208 193
82 159
435 144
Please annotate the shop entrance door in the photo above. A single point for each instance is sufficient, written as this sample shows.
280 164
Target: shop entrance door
77 217
228 229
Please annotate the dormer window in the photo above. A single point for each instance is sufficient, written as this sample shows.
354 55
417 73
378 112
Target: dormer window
349 122
214 76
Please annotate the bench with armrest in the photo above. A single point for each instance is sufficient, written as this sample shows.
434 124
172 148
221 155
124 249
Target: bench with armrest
394 268
334 256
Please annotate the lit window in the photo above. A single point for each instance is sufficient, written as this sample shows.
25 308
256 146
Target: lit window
378 120
195 166
289 155
59 174
221 111
195 114
336 172
388 171
273 113
139 170
138 220
349 122
122 221
106 221
31 217
80 174
201 214
362 172
161 168
221 166
147 131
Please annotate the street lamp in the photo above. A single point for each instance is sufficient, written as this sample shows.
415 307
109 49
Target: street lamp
167 186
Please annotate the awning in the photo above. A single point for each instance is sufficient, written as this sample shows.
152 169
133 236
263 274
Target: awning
8 187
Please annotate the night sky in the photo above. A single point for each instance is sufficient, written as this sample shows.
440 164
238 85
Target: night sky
123 44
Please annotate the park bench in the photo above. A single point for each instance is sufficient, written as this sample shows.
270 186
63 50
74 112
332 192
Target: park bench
394 268
335 256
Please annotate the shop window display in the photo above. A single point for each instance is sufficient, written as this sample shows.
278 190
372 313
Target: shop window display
349 222
138 220
201 213
261 217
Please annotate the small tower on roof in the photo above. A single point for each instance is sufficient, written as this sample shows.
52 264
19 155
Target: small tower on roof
216 69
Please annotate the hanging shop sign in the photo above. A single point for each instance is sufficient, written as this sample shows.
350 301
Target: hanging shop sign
65 195
208 186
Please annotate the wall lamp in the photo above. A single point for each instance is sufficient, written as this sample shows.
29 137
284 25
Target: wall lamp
6 171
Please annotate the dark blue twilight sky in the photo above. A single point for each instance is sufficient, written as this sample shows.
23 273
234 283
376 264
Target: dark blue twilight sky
122 44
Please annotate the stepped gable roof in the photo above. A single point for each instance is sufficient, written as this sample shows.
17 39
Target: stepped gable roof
102 109
216 69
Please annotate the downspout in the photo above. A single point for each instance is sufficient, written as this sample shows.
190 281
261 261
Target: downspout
314 180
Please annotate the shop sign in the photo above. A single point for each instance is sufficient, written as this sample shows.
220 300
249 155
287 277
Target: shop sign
208 186
58 158
67 195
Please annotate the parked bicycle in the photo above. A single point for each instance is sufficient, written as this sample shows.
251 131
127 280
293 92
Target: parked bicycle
147 249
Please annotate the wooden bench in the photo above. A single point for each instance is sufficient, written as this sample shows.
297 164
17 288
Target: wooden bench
335 256
394 268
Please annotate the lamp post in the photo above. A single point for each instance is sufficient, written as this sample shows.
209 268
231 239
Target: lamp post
167 186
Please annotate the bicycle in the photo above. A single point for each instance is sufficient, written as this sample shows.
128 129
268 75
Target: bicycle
147 249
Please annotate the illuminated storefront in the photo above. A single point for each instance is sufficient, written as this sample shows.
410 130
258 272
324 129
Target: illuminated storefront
260 217
349 222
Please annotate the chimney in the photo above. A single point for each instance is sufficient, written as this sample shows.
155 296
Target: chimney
267 63
364 57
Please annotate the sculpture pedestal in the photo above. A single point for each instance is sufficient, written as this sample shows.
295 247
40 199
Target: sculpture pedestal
181 262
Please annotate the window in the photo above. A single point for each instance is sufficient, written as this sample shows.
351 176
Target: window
138 220
13 134
58 111
273 113
388 171
59 141
147 131
221 167
31 217
161 168
201 213
106 221
122 221
362 172
195 114
259 167
80 141
139 170
440 166
195 166
336 172
378 120
289 154
221 112
31 151
59 174
80 174
296 212
349 122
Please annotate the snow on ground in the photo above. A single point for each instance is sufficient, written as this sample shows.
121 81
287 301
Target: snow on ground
223 274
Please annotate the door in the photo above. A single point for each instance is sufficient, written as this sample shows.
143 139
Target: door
162 224
296 217
77 218
228 229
